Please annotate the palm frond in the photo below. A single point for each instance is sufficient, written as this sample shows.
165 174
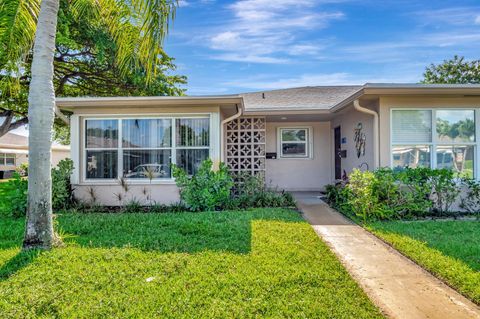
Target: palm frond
139 28
18 22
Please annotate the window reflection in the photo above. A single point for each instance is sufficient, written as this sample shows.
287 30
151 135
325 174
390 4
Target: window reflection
455 126
411 156
460 158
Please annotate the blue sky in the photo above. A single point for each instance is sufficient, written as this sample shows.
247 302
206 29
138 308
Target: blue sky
245 45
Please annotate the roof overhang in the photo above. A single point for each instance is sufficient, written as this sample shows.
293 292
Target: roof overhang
421 89
369 89
153 101
377 89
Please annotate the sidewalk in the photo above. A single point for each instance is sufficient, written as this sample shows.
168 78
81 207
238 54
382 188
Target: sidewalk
399 287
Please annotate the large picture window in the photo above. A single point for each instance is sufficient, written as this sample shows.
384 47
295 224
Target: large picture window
7 159
148 147
436 138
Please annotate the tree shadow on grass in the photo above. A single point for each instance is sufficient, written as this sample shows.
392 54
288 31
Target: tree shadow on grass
182 232
229 232
21 260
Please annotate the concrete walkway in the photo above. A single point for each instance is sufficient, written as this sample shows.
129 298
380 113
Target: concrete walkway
399 287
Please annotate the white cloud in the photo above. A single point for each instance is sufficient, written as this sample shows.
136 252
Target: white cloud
272 82
457 16
183 3
266 31
232 57
477 20
305 49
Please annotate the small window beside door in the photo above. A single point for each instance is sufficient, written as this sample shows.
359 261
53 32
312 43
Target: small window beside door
294 142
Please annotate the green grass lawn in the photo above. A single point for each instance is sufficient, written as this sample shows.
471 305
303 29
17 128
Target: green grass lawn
449 249
259 263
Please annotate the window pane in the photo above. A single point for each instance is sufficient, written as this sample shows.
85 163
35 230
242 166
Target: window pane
411 156
190 159
102 164
411 126
294 149
458 157
289 135
193 132
147 133
10 159
455 126
149 164
102 133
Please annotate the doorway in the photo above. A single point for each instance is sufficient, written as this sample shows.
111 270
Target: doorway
337 151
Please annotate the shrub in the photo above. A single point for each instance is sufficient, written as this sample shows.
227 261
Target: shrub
22 169
17 196
364 201
251 192
471 199
62 192
445 190
401 194
207 189
387 193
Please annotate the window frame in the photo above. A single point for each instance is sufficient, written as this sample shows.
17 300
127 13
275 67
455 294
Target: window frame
4 156
308 142
120 148
434 141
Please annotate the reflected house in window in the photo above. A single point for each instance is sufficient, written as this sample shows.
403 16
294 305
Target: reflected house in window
311 135
14 150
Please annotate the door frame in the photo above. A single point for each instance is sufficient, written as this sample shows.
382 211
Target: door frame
337 159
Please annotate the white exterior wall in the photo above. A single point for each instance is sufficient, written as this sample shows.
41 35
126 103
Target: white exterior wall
348 121
144 193
302 174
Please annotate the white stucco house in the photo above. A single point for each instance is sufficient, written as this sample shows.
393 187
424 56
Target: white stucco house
301 139
14 152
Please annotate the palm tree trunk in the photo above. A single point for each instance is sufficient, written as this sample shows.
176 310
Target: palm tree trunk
41 105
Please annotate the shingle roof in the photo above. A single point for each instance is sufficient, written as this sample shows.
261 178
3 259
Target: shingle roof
310 97
14 139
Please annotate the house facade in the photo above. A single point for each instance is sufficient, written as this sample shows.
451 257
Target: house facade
300 139
14 152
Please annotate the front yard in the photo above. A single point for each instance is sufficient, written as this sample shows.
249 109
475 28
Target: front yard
257 263
449 249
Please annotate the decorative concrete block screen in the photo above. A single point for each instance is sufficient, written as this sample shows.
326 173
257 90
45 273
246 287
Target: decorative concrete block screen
245 145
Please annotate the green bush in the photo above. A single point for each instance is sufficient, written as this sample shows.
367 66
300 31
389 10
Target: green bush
471 199
22 169
251 192
17 196
207 189
62 192
387 193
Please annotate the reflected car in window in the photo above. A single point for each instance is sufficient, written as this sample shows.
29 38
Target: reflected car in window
150 171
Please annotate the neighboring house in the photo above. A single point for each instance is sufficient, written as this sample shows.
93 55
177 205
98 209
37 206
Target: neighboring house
14 152
300 138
